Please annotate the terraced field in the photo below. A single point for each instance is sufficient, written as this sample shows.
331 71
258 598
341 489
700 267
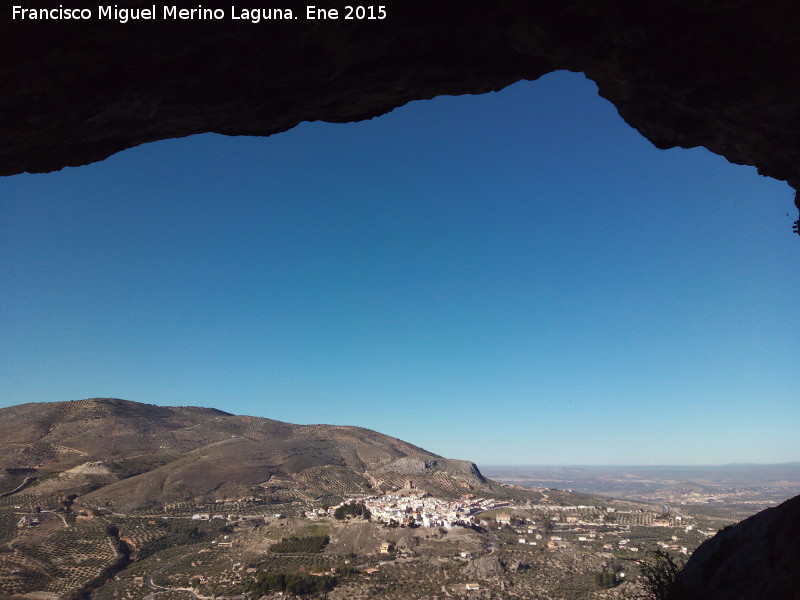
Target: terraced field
8 526
334 480
66 562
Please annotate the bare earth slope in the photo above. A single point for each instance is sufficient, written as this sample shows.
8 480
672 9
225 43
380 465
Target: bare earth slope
134 456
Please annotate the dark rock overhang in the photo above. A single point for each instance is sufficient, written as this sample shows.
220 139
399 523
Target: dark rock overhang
723 74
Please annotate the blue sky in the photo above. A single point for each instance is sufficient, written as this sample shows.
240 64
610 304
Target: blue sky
512 278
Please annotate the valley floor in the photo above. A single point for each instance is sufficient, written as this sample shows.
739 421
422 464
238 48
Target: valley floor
544 551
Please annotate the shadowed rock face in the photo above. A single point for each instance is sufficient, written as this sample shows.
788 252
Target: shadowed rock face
757 559
719 74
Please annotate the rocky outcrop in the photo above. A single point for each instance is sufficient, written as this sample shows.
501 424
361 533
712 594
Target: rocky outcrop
757 559
485 567
406 465
719 74
518 567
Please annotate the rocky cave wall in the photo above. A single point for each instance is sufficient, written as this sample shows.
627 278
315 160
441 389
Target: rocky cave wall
757 559
721 74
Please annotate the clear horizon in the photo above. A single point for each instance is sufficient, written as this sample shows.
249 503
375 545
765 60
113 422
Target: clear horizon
517 274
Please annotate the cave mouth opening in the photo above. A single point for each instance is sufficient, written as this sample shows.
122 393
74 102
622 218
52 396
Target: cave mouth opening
523 248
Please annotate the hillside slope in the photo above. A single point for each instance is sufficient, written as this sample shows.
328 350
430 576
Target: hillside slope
131 456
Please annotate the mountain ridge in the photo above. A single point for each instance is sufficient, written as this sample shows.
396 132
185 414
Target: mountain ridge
130 455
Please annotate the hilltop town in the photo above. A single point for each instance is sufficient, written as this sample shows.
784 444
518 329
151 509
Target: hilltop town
555 526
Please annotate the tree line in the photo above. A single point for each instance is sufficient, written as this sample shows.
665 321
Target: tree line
266 583
356 509
310 544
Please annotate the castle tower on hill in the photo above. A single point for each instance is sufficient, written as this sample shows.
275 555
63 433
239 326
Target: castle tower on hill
409 485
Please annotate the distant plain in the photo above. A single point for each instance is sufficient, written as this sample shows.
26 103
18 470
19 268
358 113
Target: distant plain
746 486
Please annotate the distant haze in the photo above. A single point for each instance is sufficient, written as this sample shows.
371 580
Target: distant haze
747 486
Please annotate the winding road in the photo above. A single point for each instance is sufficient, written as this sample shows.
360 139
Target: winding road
20 487
148 580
